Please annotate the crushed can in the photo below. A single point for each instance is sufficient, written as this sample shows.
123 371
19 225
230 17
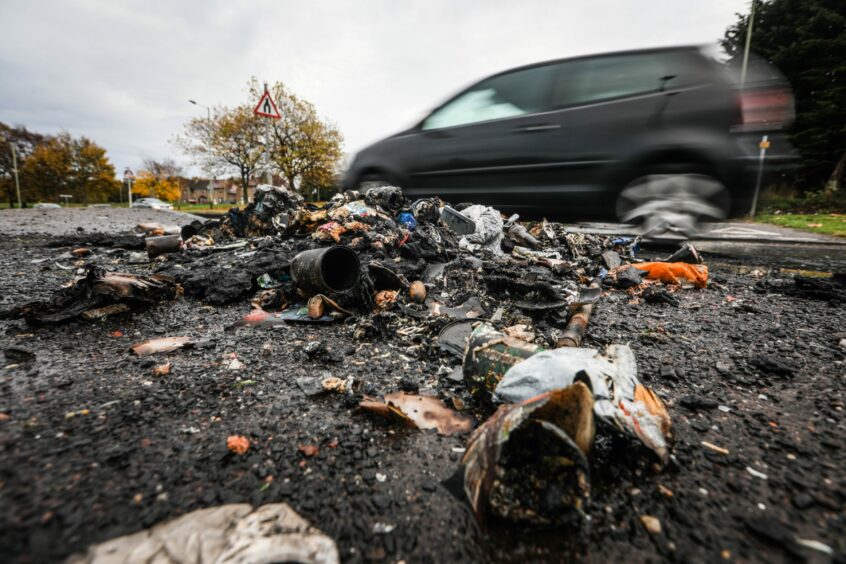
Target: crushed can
489 355
457 221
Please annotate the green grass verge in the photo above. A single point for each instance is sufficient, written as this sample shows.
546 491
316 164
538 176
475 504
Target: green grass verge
824 223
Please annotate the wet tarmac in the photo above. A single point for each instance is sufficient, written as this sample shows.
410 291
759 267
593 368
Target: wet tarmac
94 445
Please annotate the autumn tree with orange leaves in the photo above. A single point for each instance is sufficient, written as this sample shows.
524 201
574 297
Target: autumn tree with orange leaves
158 179
67 165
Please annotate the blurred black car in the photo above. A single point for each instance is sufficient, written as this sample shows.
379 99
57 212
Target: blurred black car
658 136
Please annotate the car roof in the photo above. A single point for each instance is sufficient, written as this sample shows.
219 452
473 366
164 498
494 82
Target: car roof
603 54
678 48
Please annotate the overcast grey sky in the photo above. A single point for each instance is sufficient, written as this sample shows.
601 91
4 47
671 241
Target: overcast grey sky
121 72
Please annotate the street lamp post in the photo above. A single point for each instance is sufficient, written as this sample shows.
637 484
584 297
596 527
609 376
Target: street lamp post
209 149
129 177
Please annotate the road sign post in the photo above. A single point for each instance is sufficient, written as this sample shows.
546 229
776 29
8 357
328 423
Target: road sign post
763 146
128 176
266 107
15 170
267 134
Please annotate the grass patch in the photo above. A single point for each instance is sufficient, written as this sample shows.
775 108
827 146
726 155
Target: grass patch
824 223
780 199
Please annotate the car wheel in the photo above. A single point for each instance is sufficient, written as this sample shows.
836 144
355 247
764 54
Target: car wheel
673 204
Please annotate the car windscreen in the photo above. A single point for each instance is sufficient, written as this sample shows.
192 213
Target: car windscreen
524 91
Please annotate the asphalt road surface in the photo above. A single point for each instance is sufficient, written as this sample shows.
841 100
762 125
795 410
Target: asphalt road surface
754 243
66 221
94 443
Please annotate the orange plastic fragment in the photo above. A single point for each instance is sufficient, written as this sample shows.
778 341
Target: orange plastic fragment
671 272
238 444
654 406
308 450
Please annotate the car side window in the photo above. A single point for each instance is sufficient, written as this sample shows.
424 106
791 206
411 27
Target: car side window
604 78
518 93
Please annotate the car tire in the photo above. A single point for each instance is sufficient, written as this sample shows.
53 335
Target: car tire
673 201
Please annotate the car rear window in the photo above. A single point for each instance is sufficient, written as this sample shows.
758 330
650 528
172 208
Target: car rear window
617 76
517 93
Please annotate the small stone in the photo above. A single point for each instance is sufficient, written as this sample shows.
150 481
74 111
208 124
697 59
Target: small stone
313 348
409 384
773 365
457 374
651 524
803 501
668 373
147 362
723 367
698 402
611 259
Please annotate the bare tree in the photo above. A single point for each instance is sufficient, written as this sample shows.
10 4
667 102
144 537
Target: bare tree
235 137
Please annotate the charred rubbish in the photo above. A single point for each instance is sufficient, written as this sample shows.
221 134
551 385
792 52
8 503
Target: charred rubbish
490 322
163 244
331 269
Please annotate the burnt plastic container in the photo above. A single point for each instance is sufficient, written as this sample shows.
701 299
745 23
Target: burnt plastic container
332 269
161 245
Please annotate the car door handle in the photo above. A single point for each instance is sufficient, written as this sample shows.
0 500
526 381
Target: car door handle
537 127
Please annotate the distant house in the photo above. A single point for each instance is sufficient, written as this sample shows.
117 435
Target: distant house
224 190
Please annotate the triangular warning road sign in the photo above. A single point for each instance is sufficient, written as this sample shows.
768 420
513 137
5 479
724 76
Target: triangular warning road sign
267 107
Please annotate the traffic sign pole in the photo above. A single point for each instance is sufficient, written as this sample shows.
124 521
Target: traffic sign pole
128 176
15 169
763 146
266 107
268 173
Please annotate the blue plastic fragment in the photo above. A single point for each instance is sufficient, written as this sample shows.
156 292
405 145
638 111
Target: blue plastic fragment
407 219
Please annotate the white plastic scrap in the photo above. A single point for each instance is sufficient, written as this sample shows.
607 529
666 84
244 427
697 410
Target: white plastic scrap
612 377
227 534
756 473
815 545
488 232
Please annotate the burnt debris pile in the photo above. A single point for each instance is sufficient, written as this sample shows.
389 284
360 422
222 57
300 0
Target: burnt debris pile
500 306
